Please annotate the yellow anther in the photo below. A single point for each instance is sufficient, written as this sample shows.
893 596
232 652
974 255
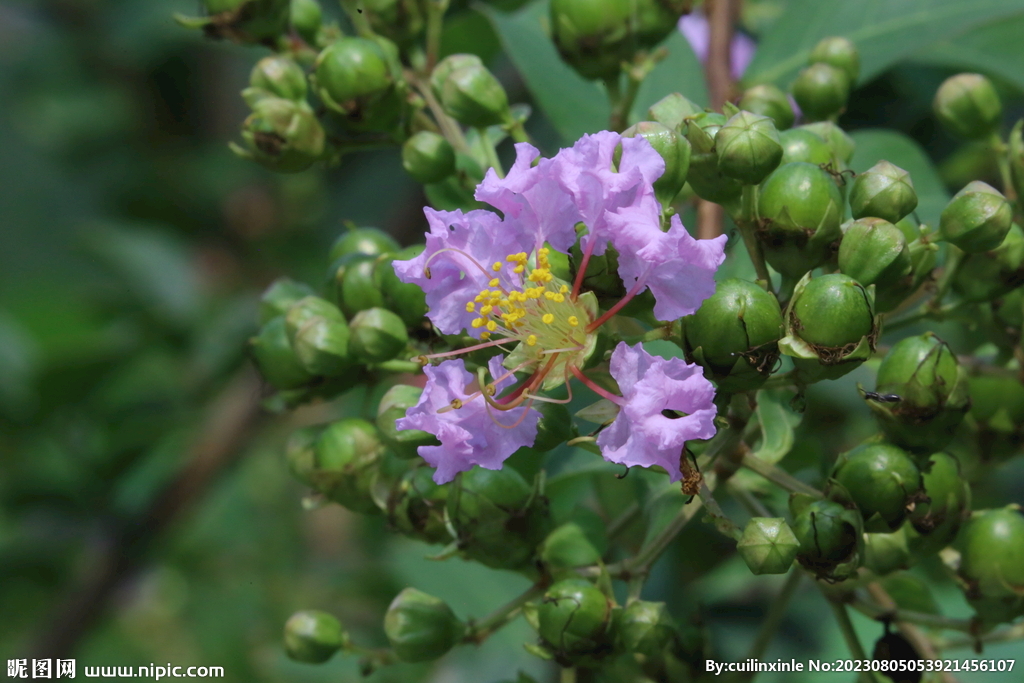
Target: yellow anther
485 335
521 257
486 309
543 251
548 318
496 267
479 322
511 258
564 289
573 320
531 340
470 307
549 295
559 298
503 303
494 282
518 269
456 403
492 326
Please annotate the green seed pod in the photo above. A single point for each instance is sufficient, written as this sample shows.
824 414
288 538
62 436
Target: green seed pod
313 636
1015 152
705 177
883 481
885 553
306 18
245 21
968 106
652 20
821 91
992 563
377 335
420 627
407 300
768 545
497 518
472 96
646 629
883 191
671 111
569 546
274 357
352 74
282 135
989 275
320 336
830 326
838 52
937 520
592 36
932 389
830 536
748 147
800 144
416 506
358 288
402 21
575 618
997 407
276 76
393 405
555 426
369 241
842 144
300 453
348 455
768 100
734 335
279 296
446 66
875 251
673 148
428 157
800 209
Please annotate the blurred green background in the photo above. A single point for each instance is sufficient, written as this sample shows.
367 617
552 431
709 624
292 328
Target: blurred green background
146 514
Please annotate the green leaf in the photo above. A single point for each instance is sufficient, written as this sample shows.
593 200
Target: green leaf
777 421
877 144
573 104
680 72
885 31
995 48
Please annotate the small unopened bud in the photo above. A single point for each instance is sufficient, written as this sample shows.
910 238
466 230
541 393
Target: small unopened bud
416 506
748 147
768 100
369 241
348 454
838 52
991 274
842 145
1016 157
471 95
673 148
277 76
282 135
821 91
420 627
968 106
671 110
275 358
351 74
569 546
393 406
313 636
592 36
977 218
306 17
405 299
428 157
300 453
705 177
355 283
279 297
883 191
377 335
319 335
800 144
400 20
646 628
874 252
768 545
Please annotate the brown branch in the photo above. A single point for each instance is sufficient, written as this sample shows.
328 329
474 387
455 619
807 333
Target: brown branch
231 419
721 16
710 217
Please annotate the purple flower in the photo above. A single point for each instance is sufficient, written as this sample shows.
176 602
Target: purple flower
697 31
474 434
460 247
642 435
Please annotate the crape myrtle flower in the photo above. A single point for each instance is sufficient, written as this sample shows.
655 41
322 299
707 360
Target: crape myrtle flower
491 277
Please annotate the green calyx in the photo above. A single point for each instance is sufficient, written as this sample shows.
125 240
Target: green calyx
977 219
875 252
320 336
883 191
768 545
932 393
734 335
306 18
830 534
887 552
937 519
352 74
402 21
420 627
705 177
282 135
673 148
647 629
396 401
883 482
275 358
276 76
415 506
800 209
838 52
354 284
575 618
428 157
577 543
377 335
830 326
313 636
800 144
968 106
348 457
748 147
672 110
471 95
841 144
997 408
989 275
279 297
768 100
407 300
592 36
821 90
